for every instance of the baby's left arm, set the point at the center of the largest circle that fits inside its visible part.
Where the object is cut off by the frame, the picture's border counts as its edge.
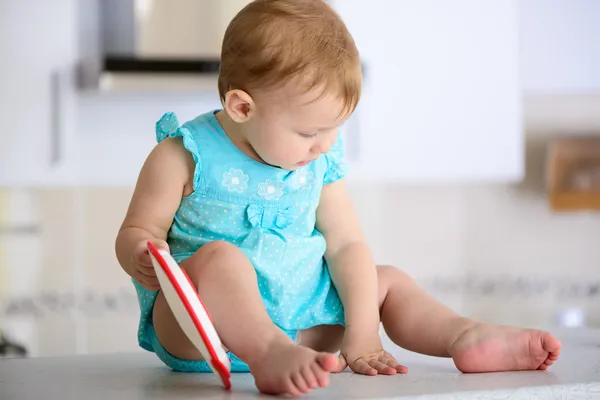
(350, 261)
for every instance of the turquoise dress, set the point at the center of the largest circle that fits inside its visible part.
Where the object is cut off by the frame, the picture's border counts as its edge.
(267, 212)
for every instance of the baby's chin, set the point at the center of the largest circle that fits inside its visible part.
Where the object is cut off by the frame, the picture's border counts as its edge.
(283, 167)
(288, 166)
(296, 166)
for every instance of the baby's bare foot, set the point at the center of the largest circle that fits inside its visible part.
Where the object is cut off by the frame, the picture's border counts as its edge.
(292, 369)
(494, 348)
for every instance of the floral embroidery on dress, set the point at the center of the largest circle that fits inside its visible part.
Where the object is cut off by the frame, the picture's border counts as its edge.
(303, 179)
(235, 180)
(270, 189)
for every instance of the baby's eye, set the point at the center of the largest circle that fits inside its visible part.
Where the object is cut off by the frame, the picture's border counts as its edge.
(308, 135)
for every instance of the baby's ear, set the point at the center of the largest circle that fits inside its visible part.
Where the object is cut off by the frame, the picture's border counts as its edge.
(239, 105)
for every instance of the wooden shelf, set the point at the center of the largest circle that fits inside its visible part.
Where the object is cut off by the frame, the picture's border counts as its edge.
(573, 174)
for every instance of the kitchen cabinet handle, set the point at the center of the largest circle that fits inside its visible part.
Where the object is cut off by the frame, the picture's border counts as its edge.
(55, 118)
(20, 230)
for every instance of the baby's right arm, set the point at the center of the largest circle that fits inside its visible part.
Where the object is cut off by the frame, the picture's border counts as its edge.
(165, 178)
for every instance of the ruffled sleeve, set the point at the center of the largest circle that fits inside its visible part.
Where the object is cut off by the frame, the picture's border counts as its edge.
(336, 165)
(168, 127)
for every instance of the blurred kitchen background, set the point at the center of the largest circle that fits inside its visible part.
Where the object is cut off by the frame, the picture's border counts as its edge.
(474, 158)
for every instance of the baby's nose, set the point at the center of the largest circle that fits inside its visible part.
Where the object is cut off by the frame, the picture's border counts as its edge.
(322, 146)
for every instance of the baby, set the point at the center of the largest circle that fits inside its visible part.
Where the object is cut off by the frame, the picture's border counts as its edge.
(250, 200)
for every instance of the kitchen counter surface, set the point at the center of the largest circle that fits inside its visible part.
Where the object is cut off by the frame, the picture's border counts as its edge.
(140, 375)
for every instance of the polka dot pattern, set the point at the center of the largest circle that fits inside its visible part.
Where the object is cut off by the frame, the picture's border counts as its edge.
(268, 213)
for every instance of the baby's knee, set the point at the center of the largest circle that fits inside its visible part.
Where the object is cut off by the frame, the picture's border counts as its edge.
(389, 274)
(213, 254)
(217, 249)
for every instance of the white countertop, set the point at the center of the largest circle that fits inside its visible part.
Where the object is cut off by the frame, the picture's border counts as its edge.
(140, 375)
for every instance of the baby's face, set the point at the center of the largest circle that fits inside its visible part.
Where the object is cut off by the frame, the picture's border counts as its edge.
(290, 130)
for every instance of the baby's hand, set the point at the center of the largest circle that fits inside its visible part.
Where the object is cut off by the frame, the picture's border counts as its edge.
(379, 362)
(144, 271)
(365, 355)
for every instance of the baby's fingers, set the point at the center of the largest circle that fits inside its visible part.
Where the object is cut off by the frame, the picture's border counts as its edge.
(150, 283)
(141, 254)
(360, 366)
(391, 362)
(147, 271)
(382, 368)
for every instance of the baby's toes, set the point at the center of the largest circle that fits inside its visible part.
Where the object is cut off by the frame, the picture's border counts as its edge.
(321, 376)
(551, 344)
(309, 376)
(327, 361)
(291, 389)
(300, 382)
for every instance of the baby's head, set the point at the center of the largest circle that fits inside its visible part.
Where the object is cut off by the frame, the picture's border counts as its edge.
(290, 76)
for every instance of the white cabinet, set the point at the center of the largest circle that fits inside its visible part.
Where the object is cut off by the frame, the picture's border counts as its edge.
(442, 97)
(560, 49)
(442, 94)
(116, 131)
(38, 43)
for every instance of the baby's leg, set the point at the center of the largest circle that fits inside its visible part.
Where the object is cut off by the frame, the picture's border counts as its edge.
(416, 321)
(327, 338)
(226, 281)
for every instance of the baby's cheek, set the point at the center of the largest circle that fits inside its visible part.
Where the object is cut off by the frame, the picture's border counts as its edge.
(281, 153)
(294, 152)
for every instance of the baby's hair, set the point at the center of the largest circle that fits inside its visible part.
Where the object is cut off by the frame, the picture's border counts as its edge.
(270, 42)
